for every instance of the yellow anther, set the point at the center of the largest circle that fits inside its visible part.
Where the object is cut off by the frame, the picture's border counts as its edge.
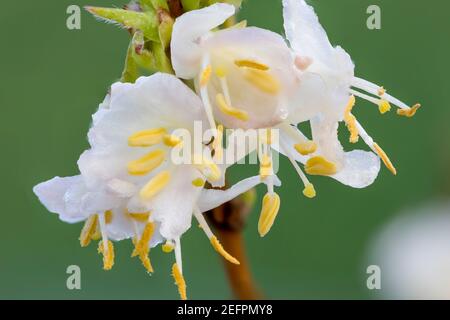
(410, 112)
(305, 148)
(146, 138)
(143, 246)
(88, 230)
(171, 140)
(309, 191)
(139, 217)
(155, 185)
(320, 166)
(208, 167)
(108, 256)
(270, 208)
(179, 281)
(168, 247)
(147, 163)
(108, 216)
(205, 76)
(350, 120)
(265, 168)
(251, 64)
(221, 71)
(381, 91)
(263, 80)
(219, 248)
(199, 182)
(97, 235)
(384, 106)
(229, 110)
(387, 162)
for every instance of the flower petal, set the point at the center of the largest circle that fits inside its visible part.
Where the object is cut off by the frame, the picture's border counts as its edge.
(174, 205)
(187, 31)
(211, 199)
(52, 194)
(160, 100)
(304, 31)
(360, 170)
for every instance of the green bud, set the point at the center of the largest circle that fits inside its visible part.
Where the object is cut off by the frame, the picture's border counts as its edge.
(189, 5)
(130, 72)
(159, 4)
(162, 62)
(165, 28)
(141, 55)
(144, 21)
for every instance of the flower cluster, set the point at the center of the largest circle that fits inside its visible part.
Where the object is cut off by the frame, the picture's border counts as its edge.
(208, 70)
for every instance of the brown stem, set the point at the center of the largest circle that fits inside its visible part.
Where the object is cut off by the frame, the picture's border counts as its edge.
(229, 221)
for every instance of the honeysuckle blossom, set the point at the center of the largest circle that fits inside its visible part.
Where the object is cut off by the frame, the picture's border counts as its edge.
(248, 78)
(130, 187)
(326, 96)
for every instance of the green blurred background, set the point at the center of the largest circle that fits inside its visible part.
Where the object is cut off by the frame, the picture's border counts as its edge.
(53, 80)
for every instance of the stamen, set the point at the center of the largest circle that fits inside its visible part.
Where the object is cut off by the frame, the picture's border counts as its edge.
(251, 64)
(383, 104)
(205, 76)
(320, 166)
(350, 120)
(221, 71)
(265, 169)
(409, 112)
(263, 80)
(377, 149)
(306, 148)
(146, 138)
(155, 185)
(387, 162)
(108, 254)
(147, 163)
(168, 247)
(213, 239)
(179, 281)
(229, 110)
(380, 91)
(219, 248)
(270, 208)
(309, 191)
(108, 216)
(143, 248)
(88, 230)
(199, 182)
(208, 167)
(384, 107)
(171, 140)
(140, 217)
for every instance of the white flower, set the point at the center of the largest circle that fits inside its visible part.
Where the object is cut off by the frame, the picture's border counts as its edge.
(413, 253)
(326, 95)
(142, 192)
(244, 75)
